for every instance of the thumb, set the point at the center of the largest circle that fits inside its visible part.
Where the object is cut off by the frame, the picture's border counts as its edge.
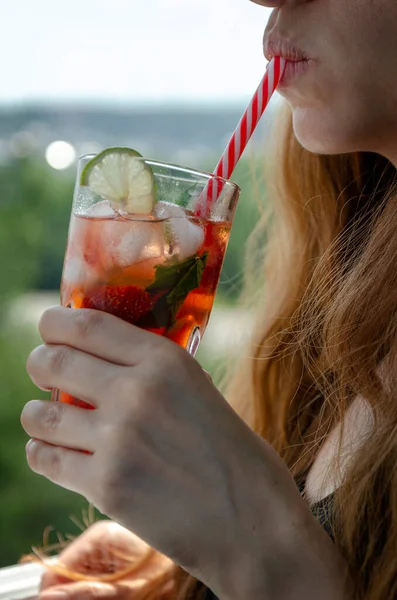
(84, 590)
(209, 376)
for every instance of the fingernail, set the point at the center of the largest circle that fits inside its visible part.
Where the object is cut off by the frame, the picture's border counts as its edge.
(29, 445)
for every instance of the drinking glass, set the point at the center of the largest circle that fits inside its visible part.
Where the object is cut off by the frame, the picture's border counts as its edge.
(160, 271)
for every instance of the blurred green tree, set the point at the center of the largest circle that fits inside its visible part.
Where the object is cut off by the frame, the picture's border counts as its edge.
(35, 205)
(28, 503)
(34, 210)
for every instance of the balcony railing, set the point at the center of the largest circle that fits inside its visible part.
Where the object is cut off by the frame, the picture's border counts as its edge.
(20, 582)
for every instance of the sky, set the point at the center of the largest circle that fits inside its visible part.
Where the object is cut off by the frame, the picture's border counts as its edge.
(130, 51)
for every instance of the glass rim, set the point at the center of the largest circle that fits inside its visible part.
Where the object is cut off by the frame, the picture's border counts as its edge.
(188, 170)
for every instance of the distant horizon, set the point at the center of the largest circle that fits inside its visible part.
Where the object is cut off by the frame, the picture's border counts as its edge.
(149, 105)
(183, 132)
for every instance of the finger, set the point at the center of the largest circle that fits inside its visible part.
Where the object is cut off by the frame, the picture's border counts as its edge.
(209, 376)
(97, 333)
(61, 424)
(105, 546)
(72, 470)
(87, 591)
(51, 578)
(81, 375)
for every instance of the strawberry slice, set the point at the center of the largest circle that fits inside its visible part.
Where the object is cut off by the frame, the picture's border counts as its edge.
(129, 303)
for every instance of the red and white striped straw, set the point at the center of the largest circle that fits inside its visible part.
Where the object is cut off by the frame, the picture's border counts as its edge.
(245, 129)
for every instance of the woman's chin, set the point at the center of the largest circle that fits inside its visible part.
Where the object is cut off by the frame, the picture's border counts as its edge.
(333, 132)
(322, 135)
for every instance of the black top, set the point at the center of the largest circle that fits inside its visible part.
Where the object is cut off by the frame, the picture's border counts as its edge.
(322, 511)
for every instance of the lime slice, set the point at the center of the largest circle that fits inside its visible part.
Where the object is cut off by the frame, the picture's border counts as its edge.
(121, 176)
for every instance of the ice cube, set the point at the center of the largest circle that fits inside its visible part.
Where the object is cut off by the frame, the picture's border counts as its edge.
(84, 200)
(129, 241)
(156, 245)
(76, 271)
(101, 209)
(189, 236)
(130, 247)
(166, 210)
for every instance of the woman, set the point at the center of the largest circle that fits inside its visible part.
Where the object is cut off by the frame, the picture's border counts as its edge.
(317, 386)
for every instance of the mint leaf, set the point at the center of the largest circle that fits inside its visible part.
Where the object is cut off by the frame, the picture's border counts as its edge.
(176, 282)
(168, 276)
(187, 284)
(186, 197)
(158, 317)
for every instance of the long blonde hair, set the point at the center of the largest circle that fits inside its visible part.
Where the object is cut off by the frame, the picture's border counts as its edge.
(326, 252)
(326, 325)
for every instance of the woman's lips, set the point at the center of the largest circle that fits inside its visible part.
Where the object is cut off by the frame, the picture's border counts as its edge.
(293, 70)
(297, 60)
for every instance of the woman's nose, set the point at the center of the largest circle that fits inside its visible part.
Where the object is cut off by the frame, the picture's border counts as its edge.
(269, 3)
(279, 3)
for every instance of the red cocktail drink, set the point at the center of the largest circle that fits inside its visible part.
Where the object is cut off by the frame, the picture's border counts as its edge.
(158, 270)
